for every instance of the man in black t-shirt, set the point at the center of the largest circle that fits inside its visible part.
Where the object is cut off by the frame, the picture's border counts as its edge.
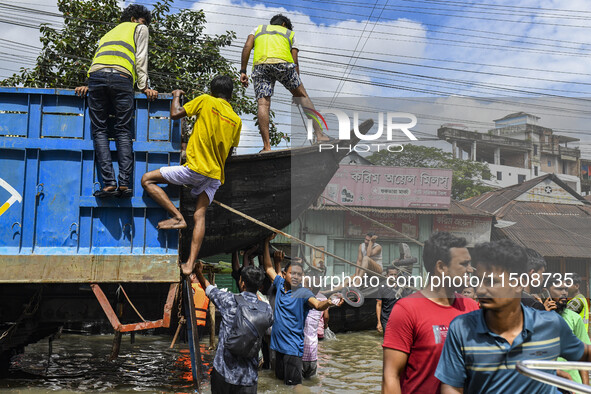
(536, 266)
(388, 294)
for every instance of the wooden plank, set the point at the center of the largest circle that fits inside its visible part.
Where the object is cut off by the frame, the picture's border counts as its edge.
(192, 332)
(89, 269)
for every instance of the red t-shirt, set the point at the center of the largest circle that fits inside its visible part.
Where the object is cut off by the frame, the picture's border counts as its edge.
(418, 326)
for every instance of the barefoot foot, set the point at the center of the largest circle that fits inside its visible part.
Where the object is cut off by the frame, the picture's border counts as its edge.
(172, 223)
(323, 138)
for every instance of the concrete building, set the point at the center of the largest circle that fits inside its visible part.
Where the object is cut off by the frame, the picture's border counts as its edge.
(517, 150)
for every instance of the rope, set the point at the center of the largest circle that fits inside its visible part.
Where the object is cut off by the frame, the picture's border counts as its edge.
(131, 303)
(291, 237)
(291, 258)
(375, 221)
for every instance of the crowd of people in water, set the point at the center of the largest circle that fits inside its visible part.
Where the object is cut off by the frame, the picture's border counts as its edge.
(436, 339)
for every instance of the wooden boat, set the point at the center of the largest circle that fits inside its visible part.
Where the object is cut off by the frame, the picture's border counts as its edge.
(274, 188)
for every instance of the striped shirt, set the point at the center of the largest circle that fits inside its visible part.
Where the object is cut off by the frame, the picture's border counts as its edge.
(481, 361)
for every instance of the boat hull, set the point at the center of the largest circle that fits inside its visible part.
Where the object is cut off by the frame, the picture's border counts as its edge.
(274, 188)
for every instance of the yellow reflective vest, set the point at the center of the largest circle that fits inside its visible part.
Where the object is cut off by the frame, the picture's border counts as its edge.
(117, 48)
(580, 305)
(272, 41)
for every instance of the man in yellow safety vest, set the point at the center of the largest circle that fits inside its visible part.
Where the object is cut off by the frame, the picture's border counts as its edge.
(275, 59)
(578, 302)
(120, 62)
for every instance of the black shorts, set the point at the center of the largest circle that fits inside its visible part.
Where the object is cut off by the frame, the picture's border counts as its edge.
(309, 369)
(288, 368)
(220, 386)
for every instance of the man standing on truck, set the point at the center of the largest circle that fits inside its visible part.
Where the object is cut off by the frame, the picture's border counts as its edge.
(275, 59)
(215, 134)
(120, 61)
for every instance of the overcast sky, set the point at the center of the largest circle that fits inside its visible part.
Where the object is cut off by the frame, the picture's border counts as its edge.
(406, 49)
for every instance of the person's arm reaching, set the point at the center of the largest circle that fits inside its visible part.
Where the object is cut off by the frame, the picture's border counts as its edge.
(235, 261)
(141, 61)
(81, 91)
(176, 109)
(322, 305)
(278, 256)
(199, 273)
(379, 315)
(394, 365)
(246, 258)
(248, 45)
(269, 270)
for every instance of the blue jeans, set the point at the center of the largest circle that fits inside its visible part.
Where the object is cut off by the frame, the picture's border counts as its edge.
(112, 92)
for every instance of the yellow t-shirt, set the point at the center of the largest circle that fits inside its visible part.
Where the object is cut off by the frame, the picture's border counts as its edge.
(216, 131)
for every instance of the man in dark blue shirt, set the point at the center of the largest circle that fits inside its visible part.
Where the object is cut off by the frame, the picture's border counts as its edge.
(231, 374)
(292, 304)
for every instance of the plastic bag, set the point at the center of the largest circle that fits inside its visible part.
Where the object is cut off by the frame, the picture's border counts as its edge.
(329, 335)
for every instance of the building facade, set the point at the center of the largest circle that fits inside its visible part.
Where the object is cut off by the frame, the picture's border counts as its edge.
(517, 150)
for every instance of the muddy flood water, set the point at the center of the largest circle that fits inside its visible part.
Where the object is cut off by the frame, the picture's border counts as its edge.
(352, 363)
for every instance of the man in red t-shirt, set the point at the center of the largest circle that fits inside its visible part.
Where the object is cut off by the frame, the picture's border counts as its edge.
(418, 324)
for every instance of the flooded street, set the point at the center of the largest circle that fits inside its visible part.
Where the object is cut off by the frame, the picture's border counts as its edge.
(350, 364)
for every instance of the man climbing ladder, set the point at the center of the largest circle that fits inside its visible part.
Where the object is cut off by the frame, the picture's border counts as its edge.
(215, 134)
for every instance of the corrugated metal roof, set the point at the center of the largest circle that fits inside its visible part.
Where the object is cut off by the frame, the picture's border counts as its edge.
(554, 230)
(456, 208)
(494, 200)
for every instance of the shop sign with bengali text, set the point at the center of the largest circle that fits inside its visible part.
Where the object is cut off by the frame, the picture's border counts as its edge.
(390, 187)
(405, 223)
(474, 228)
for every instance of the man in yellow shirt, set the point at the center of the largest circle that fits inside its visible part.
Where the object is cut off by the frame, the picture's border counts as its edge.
(215, 134)
(275, 59)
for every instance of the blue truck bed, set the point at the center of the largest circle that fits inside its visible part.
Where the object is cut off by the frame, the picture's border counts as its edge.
(52, 229)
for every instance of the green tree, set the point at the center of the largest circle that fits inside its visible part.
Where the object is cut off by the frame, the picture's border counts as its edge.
(180, 54)
(467, 175)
